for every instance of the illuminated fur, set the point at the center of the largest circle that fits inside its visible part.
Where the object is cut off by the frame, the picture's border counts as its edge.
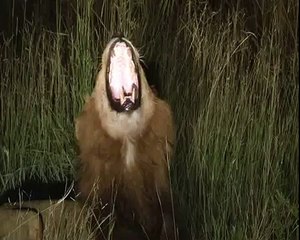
(124, 162)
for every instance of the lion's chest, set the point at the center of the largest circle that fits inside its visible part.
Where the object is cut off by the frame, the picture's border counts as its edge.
(128, 153)
(130, 174)
(133, 165)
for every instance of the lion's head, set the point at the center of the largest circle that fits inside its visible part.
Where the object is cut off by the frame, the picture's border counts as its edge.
(123, 96)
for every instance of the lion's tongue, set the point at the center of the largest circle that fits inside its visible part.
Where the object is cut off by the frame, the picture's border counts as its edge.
(122, 76)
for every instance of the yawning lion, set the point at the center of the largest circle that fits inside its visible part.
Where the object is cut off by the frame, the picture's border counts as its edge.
(125, 136)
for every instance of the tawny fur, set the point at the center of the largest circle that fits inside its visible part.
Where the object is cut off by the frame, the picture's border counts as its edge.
(124, 163)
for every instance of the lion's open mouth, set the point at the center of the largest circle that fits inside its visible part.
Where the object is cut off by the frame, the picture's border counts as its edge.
(122, 77)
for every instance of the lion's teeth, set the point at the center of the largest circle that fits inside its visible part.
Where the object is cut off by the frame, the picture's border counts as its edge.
(113, 53)
(133, 94)
(122, 98)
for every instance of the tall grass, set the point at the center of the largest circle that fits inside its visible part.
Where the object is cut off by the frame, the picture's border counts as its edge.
(234, 94)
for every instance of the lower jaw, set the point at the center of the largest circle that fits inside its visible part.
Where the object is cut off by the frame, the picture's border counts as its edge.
(127, 107)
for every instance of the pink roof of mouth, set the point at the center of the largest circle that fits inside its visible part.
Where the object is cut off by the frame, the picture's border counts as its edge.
(122, 70)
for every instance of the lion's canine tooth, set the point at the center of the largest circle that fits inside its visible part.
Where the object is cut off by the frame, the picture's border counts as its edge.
(133, 94)
(122, 97)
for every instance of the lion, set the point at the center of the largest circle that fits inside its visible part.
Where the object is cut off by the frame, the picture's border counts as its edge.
(125, 135)
(43, 219)
(36, 210)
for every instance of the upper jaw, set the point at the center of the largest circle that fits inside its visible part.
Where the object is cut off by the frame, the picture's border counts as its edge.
(123, 84)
